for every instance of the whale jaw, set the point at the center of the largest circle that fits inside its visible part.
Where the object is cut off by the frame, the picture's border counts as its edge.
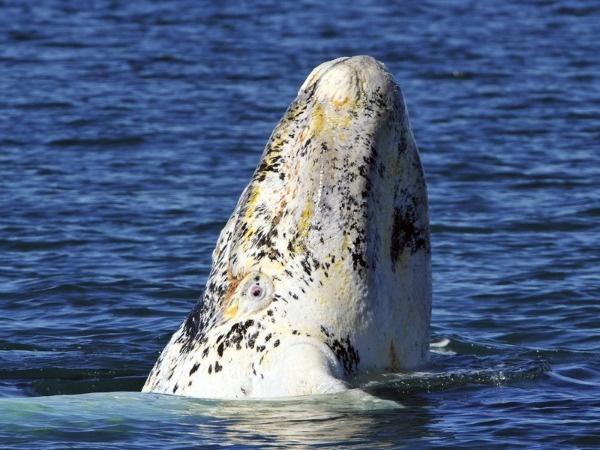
(301, 366)
(323, 270)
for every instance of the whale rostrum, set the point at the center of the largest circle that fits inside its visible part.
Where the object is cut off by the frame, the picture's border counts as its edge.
(324, 268)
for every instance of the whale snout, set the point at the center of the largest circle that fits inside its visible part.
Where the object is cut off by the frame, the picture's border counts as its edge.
(347, 80)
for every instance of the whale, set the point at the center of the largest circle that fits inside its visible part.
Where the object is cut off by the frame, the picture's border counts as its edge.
(323, 270)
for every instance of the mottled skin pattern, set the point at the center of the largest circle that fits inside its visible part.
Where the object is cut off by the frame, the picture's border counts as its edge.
(323, 269)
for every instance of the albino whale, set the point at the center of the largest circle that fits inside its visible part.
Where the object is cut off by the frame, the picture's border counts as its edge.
(323, 270)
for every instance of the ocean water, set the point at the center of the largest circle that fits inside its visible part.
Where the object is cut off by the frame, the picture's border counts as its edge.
(128, 130)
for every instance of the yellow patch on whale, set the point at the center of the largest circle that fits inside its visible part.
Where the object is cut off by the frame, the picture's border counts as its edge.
(306, 218)
(304, 223)
(341, 103)
(251, 204)
(252, 201)
(346, 121)
(231, 310)
(318, 120)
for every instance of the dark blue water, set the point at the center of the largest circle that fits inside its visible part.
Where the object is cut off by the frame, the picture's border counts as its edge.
(128, 130)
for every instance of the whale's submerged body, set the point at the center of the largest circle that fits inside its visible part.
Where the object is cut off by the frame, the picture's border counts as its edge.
(323, 269)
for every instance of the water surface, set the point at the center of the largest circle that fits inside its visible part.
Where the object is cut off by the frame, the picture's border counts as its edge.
(129, 129)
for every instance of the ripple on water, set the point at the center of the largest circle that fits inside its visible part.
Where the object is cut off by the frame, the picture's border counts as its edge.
(128, 131)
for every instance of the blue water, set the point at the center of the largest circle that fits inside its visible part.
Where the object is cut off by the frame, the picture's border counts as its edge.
(128, 130)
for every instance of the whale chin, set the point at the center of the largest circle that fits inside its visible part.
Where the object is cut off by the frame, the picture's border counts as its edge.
(323, 270)
(306, 366)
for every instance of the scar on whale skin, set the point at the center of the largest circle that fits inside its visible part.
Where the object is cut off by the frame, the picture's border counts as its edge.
(323, 270)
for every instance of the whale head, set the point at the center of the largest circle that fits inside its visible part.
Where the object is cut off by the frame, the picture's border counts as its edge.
(323, 269)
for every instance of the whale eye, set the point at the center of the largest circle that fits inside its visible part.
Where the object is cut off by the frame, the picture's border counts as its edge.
(257, 292)
(258, 287)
